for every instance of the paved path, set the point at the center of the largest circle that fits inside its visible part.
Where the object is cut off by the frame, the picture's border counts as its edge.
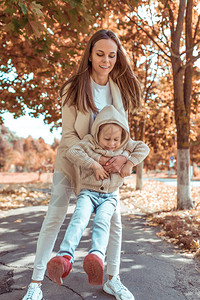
(150, 268)
(173, 181)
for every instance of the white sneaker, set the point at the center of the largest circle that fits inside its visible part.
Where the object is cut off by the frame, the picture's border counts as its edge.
(116, 288)
(34, 292)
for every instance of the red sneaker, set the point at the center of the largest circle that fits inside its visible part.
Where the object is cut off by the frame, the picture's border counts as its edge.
(93, 266)
(59, 267)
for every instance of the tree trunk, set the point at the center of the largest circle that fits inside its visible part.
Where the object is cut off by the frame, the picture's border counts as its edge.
(137, 129)
(184, 200)
(139, 169)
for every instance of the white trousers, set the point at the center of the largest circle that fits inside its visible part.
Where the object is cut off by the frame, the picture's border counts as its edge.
(56, 213)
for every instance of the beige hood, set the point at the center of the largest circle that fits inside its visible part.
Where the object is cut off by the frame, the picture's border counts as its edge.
(109, 114)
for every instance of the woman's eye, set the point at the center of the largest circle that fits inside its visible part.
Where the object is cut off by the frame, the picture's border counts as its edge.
(111, 56)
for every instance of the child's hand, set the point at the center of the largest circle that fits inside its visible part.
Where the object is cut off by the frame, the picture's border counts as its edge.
(99, 171)
(126, 169)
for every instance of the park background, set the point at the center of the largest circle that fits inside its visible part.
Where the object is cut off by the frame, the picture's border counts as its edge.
(41, 45)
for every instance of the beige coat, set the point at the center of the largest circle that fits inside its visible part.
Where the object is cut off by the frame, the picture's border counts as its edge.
(88, 149)
(75, 125)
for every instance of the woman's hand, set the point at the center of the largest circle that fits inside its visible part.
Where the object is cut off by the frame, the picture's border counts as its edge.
(126, 169)
(99, 171)
(114, 164)
(103, 160)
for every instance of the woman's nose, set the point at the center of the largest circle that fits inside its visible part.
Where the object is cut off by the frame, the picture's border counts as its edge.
(106, 58)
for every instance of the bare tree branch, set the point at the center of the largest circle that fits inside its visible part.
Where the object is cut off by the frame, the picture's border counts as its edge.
(154, 52)
(163, 32)
(153, 29)
(145, 31)
(196, 73)
(158, 53)
(196, 94)
(188, 29)
(171, 17)
(149, 35)
(179, 26)
(189, 45)
(151, 84)
(190, 48)
(196, 28)
(149, 3)
(191, 61)
(145, 84)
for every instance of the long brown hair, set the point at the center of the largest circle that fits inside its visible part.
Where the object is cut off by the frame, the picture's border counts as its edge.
(79, 91)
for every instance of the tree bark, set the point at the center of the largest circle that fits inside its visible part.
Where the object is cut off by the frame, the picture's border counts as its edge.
(139, 171)
(137, 129)
(184, 200)
(182, 79)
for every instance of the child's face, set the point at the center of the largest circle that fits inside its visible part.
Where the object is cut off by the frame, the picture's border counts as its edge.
(110, 137)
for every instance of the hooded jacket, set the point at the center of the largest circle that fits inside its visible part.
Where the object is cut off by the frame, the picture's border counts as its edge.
(83, 154)
(75, 125)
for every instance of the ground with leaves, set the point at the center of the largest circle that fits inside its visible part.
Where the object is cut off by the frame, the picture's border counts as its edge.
(17, 195)
(156, 201)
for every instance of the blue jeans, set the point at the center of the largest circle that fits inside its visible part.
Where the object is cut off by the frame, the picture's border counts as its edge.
(104, 205)
(57, 209)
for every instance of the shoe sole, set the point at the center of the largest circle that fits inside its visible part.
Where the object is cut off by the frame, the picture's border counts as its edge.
(108, 290)
(93, 266)
(55, 271)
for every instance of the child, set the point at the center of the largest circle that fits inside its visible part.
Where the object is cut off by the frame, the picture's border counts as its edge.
(97, 191)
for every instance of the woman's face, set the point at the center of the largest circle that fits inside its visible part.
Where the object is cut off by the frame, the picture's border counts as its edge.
(103, 59)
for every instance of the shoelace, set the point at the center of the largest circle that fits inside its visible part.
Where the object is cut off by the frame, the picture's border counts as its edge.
(31, 291)
(120, 286)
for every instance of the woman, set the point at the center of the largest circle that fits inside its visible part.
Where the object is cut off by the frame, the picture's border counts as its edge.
(104, 77)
